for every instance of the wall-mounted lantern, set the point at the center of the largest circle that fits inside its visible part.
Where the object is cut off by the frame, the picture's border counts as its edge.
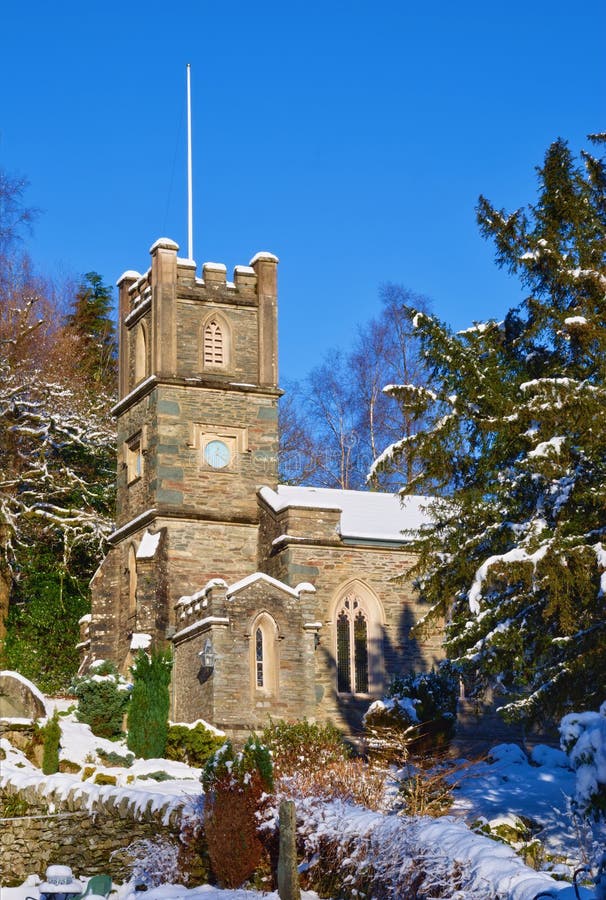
(207, 655)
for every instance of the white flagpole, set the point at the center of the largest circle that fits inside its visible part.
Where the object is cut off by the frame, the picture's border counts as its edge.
(190, 216)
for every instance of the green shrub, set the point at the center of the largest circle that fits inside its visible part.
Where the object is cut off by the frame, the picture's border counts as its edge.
(102, 778)
(103, 697)
(51, 737)
(235, 767)
(67, 767)
(115, 759)
(193, 746)
(304, 745)
(234, 783)
(149, 705)
(157, 776)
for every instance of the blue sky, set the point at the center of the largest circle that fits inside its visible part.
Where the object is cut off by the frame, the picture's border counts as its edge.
(351, 139)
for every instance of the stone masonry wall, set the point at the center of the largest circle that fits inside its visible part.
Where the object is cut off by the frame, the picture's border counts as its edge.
(90, 841)
(229, 692)
(330, 565)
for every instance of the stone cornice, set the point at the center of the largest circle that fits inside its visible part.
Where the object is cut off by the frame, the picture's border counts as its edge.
(206, 382)
(161, 512)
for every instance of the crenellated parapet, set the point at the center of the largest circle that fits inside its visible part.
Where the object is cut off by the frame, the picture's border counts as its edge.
(163, 315)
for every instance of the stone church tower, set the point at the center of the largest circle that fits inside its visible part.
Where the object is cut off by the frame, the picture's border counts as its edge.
(277, 600)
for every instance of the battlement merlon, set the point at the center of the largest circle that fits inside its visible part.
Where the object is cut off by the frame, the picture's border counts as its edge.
(266, 267)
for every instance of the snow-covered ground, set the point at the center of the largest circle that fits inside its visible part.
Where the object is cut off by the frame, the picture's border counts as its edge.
(508, 785)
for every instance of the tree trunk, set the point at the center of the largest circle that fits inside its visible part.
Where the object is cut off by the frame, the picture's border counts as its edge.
(5, 592)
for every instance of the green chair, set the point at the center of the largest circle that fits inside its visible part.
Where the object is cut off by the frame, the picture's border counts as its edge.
(100, 885)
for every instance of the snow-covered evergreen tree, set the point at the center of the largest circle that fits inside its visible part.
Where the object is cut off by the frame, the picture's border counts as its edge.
(515, 452)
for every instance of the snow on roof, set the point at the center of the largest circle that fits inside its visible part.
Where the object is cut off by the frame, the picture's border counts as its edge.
(366, 515)
(148, 546)
(261, 576)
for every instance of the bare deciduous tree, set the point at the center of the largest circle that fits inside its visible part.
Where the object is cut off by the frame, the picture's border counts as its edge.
(335, 424)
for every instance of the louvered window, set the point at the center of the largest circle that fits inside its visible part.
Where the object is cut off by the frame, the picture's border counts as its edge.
(214, 344)
(352, 648)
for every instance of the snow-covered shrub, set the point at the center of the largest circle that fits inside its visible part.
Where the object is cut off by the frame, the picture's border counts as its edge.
(426, 790)
(583, 739)
(298, 746)
(235, 783)
(418, 714)
(352, 853)
(103, 696)
(349, 780)
(154, 861)
(193, 746)
(149, 704)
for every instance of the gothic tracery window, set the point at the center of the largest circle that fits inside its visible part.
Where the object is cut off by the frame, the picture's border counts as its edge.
(356, 627)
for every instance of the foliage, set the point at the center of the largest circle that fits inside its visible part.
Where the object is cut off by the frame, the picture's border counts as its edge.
(42, 628)
(149, 704)
(103, 697)
(57, 461)
(350, 780)
(303, 745)
(334, 424)
(13, 806)
(104, 778)
(52, 738)
(419, 714)
(380, 857)
(91, 323)
(583, 739)
(154, 861)
(112, 758)
(193, 746)
(235, 767)
(434, 693)
(425, 787)
(514, 444)
(235, 782)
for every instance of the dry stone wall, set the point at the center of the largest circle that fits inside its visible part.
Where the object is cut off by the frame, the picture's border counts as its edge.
(92, 838)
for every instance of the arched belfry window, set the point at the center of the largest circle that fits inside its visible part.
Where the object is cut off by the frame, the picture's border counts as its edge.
(216, 343)
(140, 354)
(358, 642)
(264, 655)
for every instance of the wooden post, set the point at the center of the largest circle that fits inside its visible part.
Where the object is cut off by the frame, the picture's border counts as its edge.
(288, 876)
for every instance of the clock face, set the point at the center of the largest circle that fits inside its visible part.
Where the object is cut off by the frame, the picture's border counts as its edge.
(217, 454)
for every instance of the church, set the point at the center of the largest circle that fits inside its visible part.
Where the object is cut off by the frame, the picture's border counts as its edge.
(279, 601)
